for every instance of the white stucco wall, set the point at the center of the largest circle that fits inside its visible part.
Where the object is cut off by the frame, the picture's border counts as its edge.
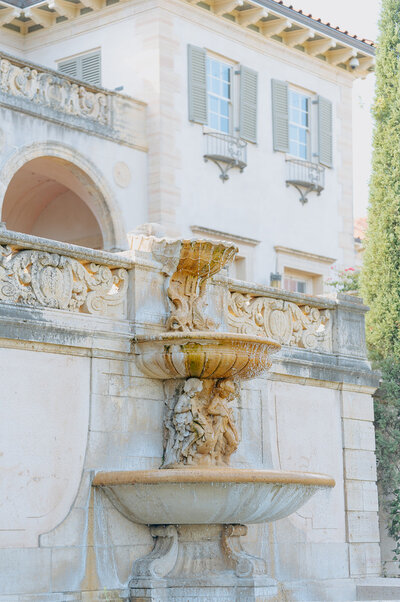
(150, 61)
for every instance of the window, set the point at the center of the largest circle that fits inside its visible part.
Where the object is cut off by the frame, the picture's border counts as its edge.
(299, 124)
(219, 93)
(302, 271)
(86, 67)
(295, 285)
(302, 124)
(212, 101)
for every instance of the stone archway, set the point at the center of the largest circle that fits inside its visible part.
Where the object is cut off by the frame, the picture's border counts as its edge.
(50, 190)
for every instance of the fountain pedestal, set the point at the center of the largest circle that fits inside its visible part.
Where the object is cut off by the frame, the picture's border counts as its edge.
(200, 562)
(196, 505)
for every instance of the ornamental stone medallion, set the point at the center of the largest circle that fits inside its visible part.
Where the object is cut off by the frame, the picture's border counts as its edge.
(122, 174)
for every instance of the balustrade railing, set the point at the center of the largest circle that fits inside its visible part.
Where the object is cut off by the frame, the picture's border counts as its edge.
(44, 273)
(34, 89)
(305, 176)
(225, 151)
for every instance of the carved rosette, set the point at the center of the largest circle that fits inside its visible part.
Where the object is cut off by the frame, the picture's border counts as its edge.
(284, 321)
(45, 279)
(55, 92)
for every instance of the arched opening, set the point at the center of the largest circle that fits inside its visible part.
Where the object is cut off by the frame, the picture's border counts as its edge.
(53, 198)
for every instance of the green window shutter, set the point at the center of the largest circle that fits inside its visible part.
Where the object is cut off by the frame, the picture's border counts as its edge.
(325, 131)
(280, 115)
(69, 68)
(197, 82)
(248, 104)
(91, 68)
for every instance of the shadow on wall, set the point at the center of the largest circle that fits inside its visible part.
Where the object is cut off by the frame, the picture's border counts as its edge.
(52, 198)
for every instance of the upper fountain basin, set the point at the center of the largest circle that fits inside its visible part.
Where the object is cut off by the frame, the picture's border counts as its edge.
(204, 355)
(209, 496)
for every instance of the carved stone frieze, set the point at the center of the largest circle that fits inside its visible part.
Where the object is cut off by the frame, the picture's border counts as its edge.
(53, 91)
(199, 427)
(57, 281)
(284, 321)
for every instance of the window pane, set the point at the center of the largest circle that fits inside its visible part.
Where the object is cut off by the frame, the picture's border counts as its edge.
(219, 93)
(215, 86)
(298, 125)
(225, 125)
(213, 121)
(226, 92)
(225, 73)
(215, 69)
(224, 108)
(213, 104)
(302, 136)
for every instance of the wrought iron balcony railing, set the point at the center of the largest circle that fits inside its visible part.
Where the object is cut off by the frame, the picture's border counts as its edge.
(305, 176)
(225, 151)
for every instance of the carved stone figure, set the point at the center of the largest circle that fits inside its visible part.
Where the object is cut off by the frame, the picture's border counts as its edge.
(226, 435)
(200, 428)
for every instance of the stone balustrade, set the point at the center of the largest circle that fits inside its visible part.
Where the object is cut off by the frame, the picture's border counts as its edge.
(45, 273)
(42, 273)
(51, 95)
(288, 318)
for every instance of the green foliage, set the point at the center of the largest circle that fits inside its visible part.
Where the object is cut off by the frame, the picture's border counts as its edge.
(387, 429)
(345, 280)
(380, 277)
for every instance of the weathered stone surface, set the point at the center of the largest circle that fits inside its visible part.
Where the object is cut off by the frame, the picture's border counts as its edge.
(293, 420)
(52, 95)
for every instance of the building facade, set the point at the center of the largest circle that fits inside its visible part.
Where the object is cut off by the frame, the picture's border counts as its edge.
(251, 91)
(225, 120)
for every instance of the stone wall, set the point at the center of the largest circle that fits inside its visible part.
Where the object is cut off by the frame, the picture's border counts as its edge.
(75, 403)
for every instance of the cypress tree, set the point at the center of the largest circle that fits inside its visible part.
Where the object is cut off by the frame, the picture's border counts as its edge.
(380, 280)
(380, 277)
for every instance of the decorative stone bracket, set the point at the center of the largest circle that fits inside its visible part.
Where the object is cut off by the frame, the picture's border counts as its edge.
(187, 557)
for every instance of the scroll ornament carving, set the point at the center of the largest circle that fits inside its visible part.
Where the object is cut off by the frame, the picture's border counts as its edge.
(200, 428)
(57, 93)
(199, 260)
(283, 321)
(45, 279)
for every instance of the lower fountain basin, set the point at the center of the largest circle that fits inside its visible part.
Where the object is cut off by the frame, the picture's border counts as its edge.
(204, 355)
(209, 496)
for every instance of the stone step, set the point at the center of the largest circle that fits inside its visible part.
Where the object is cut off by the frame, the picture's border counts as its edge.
(378, 589)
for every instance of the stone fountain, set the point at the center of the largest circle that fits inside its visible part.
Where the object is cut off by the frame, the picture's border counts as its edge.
(196, 505)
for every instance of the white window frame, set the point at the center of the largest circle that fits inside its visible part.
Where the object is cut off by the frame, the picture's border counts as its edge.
(308, 129)
(226, 63)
